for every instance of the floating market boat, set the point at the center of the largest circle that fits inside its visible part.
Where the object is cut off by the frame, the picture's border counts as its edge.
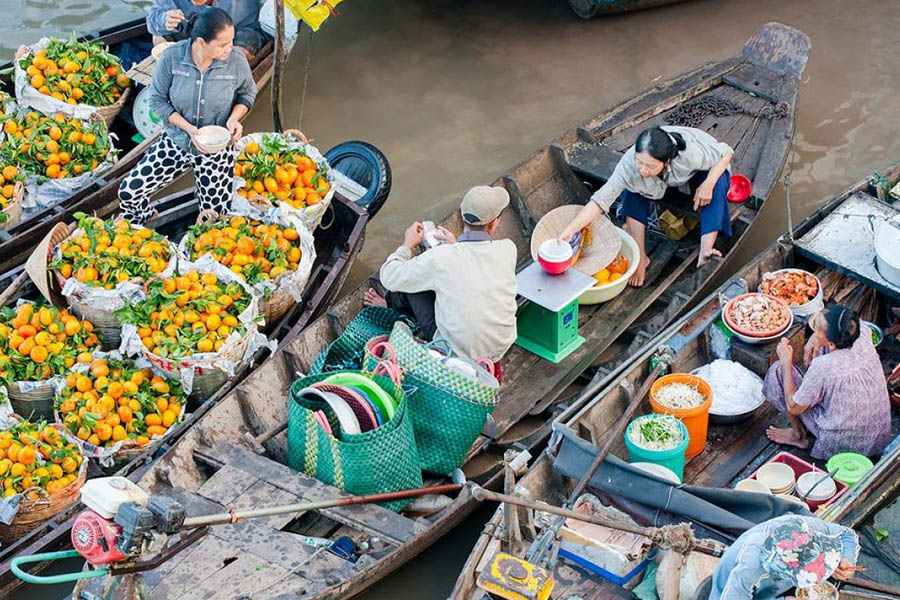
(733, 452)
(761, 81)
(131, 40)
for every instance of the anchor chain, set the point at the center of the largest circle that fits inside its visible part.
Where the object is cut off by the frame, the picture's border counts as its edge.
(692, 112)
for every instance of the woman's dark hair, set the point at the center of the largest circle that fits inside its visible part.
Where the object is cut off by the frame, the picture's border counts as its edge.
(659, 143)
(842, 326)
(209, 22)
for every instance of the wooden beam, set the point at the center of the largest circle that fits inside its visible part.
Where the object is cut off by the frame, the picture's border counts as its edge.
(278, 74)
(577, 191)
(518, 203)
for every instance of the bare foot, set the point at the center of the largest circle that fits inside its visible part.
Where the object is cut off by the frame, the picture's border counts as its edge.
(637, 280)
(705, 255)
(787, 437)
(371, 298)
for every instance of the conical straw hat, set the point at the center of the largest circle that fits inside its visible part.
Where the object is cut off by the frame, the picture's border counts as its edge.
(605, 240)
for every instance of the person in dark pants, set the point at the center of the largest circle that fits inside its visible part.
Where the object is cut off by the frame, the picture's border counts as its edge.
(464, 290)
(173, 20)
(662, 159)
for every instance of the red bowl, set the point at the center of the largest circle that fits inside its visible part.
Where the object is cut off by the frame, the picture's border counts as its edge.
(739, 188)
(554, 268)
(555, 257)
(726, 315)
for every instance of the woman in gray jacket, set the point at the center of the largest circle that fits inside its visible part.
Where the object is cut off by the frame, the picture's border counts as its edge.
(198, 82)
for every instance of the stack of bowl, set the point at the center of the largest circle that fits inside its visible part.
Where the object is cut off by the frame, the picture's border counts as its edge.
(358, 403)
(778, 477)
(815, 493)
(752, 485)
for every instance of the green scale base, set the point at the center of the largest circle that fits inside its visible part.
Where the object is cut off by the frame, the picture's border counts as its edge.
(552, 335)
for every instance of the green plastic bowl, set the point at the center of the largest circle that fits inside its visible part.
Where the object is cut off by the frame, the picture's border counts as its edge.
(852, 467)
(377, 395)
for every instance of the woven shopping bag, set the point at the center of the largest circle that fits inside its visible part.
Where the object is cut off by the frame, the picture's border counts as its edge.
(346, 351)
(384, 459)
(448, 409)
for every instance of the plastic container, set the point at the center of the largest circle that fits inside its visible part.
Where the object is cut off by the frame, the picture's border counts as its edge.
(673, 459)
(800, 467)
(608, 291)
(739, 188)
(105, 494)
(555, 256)
(809, 308)
(852, 467)
(695, 419)
(212, 138)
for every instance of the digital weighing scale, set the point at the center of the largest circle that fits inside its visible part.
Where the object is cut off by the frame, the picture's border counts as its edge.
(548, 324)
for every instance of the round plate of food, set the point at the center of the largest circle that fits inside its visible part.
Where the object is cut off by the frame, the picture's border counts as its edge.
(800, 290)
(757, 317)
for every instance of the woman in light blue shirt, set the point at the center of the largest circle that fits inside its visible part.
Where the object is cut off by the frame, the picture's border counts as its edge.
(786, 552)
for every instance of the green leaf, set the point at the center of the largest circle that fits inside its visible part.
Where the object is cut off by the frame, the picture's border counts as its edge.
(882, 534)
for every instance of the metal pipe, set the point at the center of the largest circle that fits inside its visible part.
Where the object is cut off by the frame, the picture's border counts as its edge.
(278, 72)
(232, 517)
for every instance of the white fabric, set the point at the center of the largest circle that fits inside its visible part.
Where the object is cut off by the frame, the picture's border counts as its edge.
(475, 288)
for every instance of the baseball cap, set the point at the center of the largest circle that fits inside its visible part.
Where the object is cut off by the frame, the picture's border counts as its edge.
(482, 204)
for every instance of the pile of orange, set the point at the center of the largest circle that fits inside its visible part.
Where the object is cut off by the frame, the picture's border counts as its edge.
(254, 250)
(76, 72)
(106, 253)
(35, 455)
(278, 173)
(187, 314)
(55, 147)
(38, 342)
(113, 402)
(612, 272)
(9, 176)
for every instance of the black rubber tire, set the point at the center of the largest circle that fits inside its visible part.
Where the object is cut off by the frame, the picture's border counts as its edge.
(585, 9)
(366, 165)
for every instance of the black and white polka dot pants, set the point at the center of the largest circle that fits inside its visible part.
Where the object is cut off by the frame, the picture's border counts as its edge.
(162, 163)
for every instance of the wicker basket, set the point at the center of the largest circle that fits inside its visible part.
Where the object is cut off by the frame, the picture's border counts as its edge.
(107, 114)
(13, 209)
(32, 404)
(34, 512)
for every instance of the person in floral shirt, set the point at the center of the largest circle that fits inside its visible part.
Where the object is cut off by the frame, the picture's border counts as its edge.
(786, 552)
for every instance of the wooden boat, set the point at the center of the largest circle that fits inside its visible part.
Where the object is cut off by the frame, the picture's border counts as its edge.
(732, 452)
(17, 241)
(335, 254)
(588, 9)
(533, 390)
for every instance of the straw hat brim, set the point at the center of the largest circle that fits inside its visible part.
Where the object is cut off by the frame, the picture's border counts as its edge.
(605, 240)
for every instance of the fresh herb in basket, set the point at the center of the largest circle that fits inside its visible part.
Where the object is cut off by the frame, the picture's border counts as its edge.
(76, 72)
(109, 252)
(656, 432)
(279, 173)
(111, 401)
(254, 250)
(38, 342)
(54, 147)
(35, 455)
(187, 314)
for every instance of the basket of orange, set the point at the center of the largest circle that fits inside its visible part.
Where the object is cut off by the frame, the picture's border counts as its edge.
(78, 79)
(283, 171)
(195, 327)
(102, 266)
(116, 410)
(41, 474)
(58, 155)
(38, 346)
(12, 192)
(274, 256)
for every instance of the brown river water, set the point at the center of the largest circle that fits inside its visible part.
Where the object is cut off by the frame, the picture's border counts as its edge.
(457, 91)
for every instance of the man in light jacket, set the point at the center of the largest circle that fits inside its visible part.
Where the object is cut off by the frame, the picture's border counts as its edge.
(464, 290)
(172, 19)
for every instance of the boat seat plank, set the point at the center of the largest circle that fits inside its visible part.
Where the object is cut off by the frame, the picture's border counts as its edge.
(244, 577)
(528, 377)
(226, 485)
(597, 161)
(262, 494)
(369, 517)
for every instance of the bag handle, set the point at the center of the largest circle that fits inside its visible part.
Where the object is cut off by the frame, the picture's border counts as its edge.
(391, 370)
(441, 345)
(488, 366)
(376, 348)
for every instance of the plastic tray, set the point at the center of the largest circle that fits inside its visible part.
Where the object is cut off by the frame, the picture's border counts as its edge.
(800, 467)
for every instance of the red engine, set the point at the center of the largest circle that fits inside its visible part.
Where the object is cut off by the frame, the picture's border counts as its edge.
(95, 538)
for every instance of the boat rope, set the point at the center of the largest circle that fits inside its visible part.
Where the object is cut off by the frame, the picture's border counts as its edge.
(692, 112)
(309, 49)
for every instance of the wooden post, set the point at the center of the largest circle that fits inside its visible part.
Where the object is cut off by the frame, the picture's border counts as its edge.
(278, 73)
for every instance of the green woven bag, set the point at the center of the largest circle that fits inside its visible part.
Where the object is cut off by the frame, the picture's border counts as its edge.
(448, 409)
(346, 351)
(381, 460)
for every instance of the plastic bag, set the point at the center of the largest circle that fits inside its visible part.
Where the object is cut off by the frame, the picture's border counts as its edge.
(313, 12)
(267, 23)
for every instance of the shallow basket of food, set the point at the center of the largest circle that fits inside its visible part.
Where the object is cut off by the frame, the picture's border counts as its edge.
(756, 318)
(611, 284)
(799, 289)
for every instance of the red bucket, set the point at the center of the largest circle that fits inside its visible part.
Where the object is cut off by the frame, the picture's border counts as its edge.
(739, 189)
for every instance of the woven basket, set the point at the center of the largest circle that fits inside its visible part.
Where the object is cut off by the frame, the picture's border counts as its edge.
(107, 114)
(13, 209)
(34, 512)
(207, 378)
(32, 404)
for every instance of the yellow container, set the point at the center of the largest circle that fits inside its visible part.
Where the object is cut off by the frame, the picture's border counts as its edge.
(515, 579)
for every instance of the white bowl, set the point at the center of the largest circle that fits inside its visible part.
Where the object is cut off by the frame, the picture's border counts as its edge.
(823, 491)
(658, 470)
(158, 49)
(554, 250)
(778, 477)
(213, 138)
(752, 485)
(801, 310)
(608, 291)
(793, 499)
